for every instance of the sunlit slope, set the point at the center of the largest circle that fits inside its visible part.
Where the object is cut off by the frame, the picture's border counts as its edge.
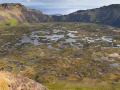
(13, 14)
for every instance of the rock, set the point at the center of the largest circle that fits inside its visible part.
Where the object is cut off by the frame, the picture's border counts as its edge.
(8, 68)
(17, 82)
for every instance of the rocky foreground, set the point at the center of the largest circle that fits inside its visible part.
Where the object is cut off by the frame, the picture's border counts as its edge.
(17, 82)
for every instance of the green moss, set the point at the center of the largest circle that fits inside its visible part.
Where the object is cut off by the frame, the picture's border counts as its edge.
(56, 86)
(9, 22)
(77, 89)
(63, 63)
(36, 19)
(62, 86)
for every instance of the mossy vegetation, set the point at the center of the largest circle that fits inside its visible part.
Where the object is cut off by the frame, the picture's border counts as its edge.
(79, 60)
(11, 21)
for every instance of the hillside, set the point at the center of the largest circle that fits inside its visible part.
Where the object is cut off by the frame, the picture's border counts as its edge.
(109, 15)
(12, 14)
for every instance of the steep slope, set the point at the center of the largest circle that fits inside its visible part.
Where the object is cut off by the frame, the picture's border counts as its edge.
(11, 82)
(14, 13)
(109, 15)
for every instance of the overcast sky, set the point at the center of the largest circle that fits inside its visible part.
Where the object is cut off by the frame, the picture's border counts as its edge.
(62, 6)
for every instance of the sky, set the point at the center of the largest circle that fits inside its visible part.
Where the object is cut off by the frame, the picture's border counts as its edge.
(62, 6)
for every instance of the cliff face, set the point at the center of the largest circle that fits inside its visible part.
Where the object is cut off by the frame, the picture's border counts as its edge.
(109, 15)
(11, 14)
(20, 13)
(11, 82)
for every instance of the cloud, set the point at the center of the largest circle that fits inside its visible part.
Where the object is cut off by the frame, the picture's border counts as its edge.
(67, 6)
(28, 0)
(63, 5)
(65, 2)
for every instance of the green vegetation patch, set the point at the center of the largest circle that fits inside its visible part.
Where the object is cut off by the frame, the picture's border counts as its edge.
(55, 86)
(10, 22)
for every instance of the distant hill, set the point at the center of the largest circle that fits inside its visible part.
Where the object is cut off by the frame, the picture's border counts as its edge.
(12, 14)
(109, 15)
(56, 14)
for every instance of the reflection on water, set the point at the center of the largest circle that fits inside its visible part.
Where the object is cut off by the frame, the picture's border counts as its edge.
(71, 35)
(70, 40)
(26, 39)
(18, 44)
(36, 42)
(52, 37)
(114, 65)
(50, 47)
(56, 35)
(1, 39)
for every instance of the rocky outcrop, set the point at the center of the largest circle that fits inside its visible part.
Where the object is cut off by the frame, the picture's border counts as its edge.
(16, 82)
